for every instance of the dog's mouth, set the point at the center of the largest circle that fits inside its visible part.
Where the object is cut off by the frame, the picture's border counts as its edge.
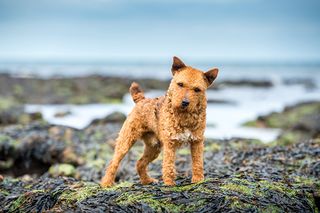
(183, 108)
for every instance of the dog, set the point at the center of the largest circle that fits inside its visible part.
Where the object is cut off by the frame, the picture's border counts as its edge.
(166, 123)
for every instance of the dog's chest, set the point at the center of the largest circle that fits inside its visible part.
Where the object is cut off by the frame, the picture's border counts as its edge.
(184, 137)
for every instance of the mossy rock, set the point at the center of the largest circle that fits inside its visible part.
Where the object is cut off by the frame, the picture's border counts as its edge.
(288, 118)
(115, 117)
(234, 193)
(298, 123)
(11, 112)
(7, 103)
(62, 170)
(77, 90)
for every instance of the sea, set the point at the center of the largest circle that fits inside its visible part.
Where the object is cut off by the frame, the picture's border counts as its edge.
(292, 83)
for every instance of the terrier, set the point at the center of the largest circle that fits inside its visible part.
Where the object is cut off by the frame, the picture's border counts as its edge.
(166, 122)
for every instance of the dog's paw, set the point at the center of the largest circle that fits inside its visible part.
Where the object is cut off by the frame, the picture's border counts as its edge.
(197, 179)
(169, 183)
(105, 183)
(149, 181)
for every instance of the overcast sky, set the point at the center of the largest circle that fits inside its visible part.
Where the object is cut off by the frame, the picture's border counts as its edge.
(261, 30)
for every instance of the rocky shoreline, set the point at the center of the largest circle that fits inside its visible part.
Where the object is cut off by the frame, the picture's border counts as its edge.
(298, 123)
(56, 168)
(91, 89)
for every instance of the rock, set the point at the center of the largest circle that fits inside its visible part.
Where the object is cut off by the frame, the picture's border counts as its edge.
(309, 123)
(291, 116)
(299, 122)
(12, 112)
(217, 101)
(241, 175)
(11, 115)
(69, 155)
(77, 90)
(95, 89)
(306, 82)
(56, 168)
(62, 114)
(115, 117)
(62, 170)
(245, 83)
(32, 149)
(239, 192)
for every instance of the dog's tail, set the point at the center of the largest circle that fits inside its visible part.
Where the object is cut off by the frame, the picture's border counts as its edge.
(136, 92)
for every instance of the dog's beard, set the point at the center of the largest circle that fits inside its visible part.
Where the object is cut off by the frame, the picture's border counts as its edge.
(188, 109)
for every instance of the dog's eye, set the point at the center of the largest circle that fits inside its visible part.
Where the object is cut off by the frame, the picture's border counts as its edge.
(197, 90)
(180, 84)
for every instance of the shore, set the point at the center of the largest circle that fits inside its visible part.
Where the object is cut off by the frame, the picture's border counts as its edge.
(94, 88)
(58, 168)
(76, 101)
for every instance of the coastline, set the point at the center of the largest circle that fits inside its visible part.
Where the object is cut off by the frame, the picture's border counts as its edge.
(55, 167)
(63, 167)
(231, 101)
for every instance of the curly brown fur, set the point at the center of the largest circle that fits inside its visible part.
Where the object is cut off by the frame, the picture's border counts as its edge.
(136, 92)
(166, 122)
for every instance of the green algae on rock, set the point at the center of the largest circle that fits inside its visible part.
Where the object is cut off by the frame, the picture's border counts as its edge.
(251, 177)
(11, 112)
(62, 170)
(289, 117)
(77, 90)
(298, 123)
(241, 175)
(221, 194)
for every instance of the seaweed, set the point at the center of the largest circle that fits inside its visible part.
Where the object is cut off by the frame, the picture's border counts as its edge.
(59, 170)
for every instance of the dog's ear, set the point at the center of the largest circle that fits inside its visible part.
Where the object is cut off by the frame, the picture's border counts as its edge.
(211, 75)
(176, 65)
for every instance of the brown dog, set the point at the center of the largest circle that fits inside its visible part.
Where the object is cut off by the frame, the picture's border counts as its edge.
(168, 121)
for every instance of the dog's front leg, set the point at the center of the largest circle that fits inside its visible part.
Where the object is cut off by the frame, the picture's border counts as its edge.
(197, 160)
(168, 165)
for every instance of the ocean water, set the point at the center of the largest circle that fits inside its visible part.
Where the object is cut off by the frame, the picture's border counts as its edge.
(223, 120)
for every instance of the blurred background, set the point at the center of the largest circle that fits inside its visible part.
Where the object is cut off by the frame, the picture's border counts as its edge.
(73, 61)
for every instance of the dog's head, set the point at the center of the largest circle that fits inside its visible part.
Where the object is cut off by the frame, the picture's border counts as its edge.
(188, 86)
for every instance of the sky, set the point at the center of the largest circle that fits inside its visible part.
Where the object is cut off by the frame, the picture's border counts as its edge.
(227, 30)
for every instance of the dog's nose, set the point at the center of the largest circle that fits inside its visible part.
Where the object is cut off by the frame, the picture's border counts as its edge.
(185, 103)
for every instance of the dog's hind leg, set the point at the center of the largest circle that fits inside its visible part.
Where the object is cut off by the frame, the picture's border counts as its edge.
(151, 152)
(128, 135)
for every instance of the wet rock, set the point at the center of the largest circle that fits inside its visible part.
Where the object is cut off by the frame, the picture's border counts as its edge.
(62, 170)
(241, 175)
(91, 89)
(115, 117)
(299, 122)
(33, 149)
(245, 83)
(62, 114)
(78, 90)
(11, 115)
(218, 101)
(12, 112)
(306, 82)
(225, 193)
